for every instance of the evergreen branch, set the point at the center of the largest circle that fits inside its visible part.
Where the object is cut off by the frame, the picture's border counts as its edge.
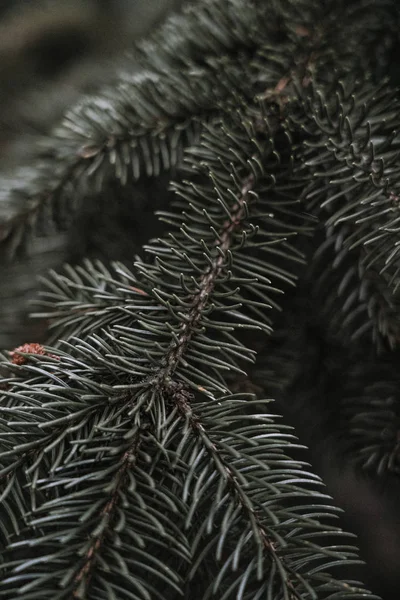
(206, 285)
(77, 478)
(64, 181)
(200, 30)
(123, 392)
(84, 575)
(127, 464)
(140, 125)
(374, 429)
(345, 150)
(263, 558)
(230, 230)
(370, 416)
(355, 300)
(85, 299)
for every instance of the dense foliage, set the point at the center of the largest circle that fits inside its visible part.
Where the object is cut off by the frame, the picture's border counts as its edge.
(141, 455)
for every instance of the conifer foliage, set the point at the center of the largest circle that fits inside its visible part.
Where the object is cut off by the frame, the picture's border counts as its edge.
(134, 462)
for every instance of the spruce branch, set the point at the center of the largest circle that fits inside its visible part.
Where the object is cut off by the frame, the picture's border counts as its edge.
(369, 417)
(350, 151)
(131, 425)
(356, 301)
(143, 123)
(139, 125)
(129, 468)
